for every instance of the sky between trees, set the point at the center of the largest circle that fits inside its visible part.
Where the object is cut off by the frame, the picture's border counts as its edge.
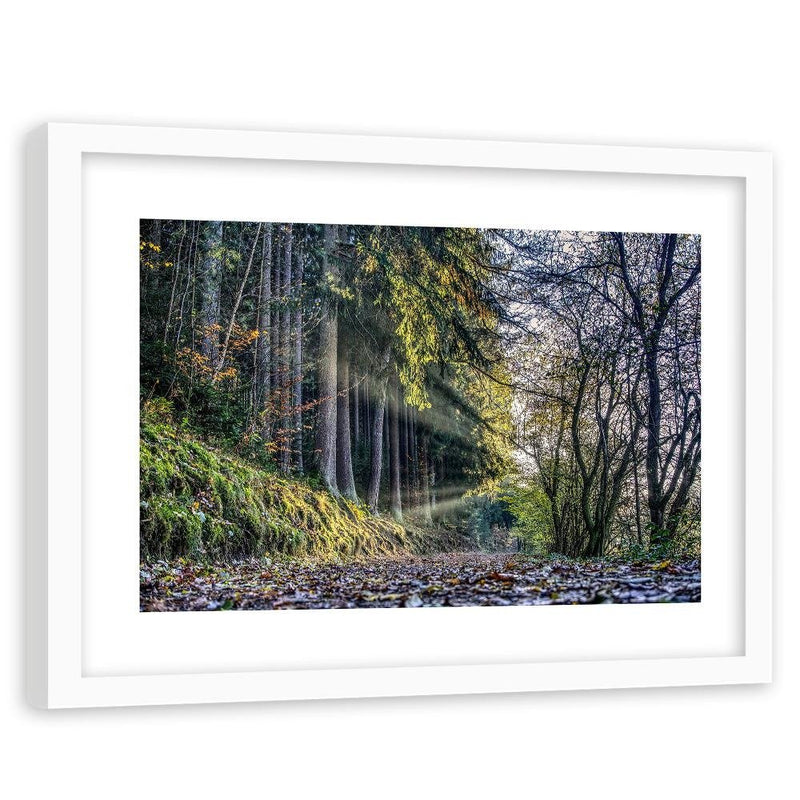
(545, 380)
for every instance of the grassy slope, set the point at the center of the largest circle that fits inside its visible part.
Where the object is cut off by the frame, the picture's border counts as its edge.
(197, 501)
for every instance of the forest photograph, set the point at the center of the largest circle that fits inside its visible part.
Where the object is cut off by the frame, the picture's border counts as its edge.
(368, 416)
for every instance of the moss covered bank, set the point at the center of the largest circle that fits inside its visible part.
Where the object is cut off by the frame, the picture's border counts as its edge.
(200, 502)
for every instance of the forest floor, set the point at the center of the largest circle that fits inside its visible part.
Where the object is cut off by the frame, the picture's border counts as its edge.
(446, 579)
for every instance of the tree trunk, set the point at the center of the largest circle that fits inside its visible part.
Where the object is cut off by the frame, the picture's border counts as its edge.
(236, 303)
(325, 439)
(286, 324)
(433, 479)
(344, 451)
(277, 289)
(405, 472)
(264, 341)
(367, 411)
(376, 434)
(211, 273)
(414, 458)
(356, 414)
(424, 479)
(297, 367)
(176, 276)
(395, 502)
(655, 503)
(376, 446)
(189, 287)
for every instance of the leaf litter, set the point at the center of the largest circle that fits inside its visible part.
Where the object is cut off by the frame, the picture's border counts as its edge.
(445, 579)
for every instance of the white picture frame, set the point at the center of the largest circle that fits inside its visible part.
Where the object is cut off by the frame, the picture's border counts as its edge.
(59, 298)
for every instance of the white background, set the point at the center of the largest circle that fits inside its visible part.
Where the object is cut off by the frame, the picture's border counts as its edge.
(610, 73)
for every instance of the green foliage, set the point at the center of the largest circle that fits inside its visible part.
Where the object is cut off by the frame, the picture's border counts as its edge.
(533, 521)
(488, 520)
(660, 546)
(429, 286)
(201, 501)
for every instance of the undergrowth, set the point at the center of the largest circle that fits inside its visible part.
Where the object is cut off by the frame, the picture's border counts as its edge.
(200, 502)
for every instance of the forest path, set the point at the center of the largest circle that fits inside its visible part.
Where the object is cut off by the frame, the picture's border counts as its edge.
(444, 579)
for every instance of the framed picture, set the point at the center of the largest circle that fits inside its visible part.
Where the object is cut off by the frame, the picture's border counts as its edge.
(319, 416)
